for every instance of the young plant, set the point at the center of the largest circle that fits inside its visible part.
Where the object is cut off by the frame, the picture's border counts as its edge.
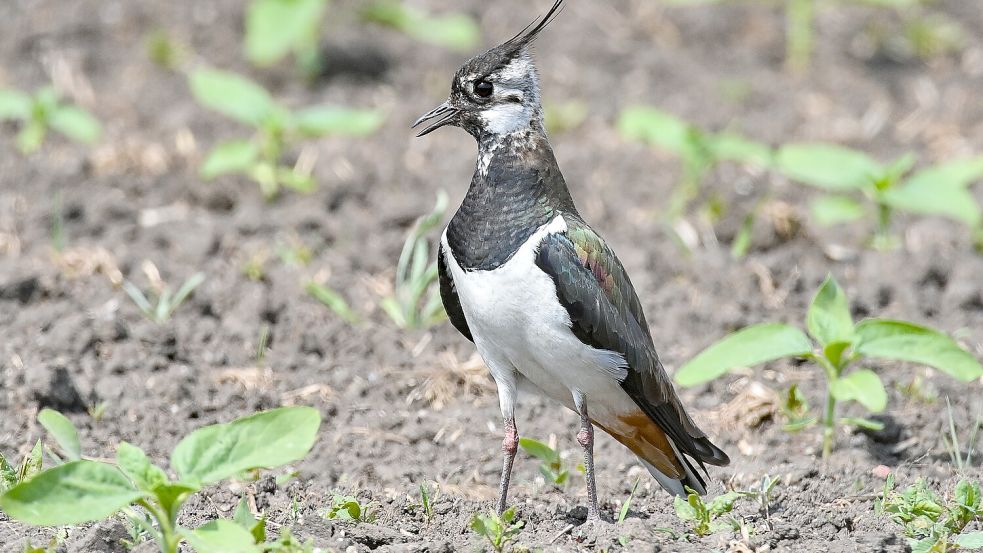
(81, 491)
(426, 499)
(552, 467)
(931, 524)
(30, 466)
(699, 150)
(498, 530)
(849, 177)
(332, 300)
(277, 28)
(702, 516)
(349, 508)
(763, 494)
(416, 301)
(42, 112)
(952, 440)
(796, 410)
(167, 303)
(276, 130)
(627, 504)
(841, 345)
(455, 31)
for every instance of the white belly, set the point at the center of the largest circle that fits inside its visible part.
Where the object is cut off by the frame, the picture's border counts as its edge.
(518, 324)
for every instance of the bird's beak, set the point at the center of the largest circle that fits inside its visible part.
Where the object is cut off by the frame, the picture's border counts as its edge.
(443, 114)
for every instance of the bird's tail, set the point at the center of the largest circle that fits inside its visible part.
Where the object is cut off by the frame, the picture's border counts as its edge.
(690, 478)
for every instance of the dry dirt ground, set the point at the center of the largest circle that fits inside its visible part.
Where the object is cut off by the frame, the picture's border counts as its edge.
(405, 407)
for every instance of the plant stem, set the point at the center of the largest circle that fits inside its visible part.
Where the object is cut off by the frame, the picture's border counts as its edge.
(829, 424)
(799, 15)
(169, 539)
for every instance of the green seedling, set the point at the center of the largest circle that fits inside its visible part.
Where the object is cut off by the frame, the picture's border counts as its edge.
(796, 410)
(166, 302)
(64, 433)
(455, 31)
(849, 177)
(951, 440)
(349, 508)
(552, 467)
(245, 533)
(763, 494)
(930, 523)
(498, 530)
(332, 300)
(842, 344)
(275, 130)
(278, 28)
(82, 491)
(97, 410)
(29, 467)
(702, 516)
(42, 112)
(164, 51)
(627, 504)
(426, 499)
(416, 300)
(699, 150)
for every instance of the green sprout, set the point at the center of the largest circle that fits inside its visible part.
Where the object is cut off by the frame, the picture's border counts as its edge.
(349, 508)
(167, 303)
(951, 440)
(416, 301)
(332, 300)
(551, 467)
(276, 130)
(849, 177)
(456, 31)
(702, 516)
(796, 410)
(426, 500)
(42, 112)
(627, 504)
(699, 150)
(498, 530)
(82, 490)
(29, 467)
(842, 344)
(278, 28)
(928, 522)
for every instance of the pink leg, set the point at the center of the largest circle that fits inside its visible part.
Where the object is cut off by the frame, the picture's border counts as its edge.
(509, 446)
(586, 440)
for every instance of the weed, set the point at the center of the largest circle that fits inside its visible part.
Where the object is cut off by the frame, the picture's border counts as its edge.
(456, 31)
(29, 467)
(67, 494)
(699, 150)
(796, 410)
(498, 530)
(42, 112)
(278, 28)
(930, 523)
(332, 300)
(849, 176)
(262, 345)
(763, 493)
(627, 504)
(97, 410)
(426, 500)
(951, 440)
(275, 130)
(552, 467)
(166, 302)
(841, 344)
(349, 508)
(416, 301)
(703, 516)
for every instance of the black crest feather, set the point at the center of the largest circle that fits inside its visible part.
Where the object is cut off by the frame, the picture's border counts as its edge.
(532, 30)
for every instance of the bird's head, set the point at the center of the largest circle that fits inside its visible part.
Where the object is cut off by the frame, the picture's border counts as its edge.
(497, 92)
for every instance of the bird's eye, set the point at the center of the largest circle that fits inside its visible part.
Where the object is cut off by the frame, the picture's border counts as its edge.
(483, 89)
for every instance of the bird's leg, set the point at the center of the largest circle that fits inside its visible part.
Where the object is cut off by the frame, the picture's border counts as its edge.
(509, 446)
(586, 439)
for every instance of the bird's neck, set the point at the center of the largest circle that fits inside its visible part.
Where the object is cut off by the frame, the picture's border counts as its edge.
(517, 187)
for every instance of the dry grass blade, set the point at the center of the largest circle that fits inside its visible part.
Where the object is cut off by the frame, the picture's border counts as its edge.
(452, 379)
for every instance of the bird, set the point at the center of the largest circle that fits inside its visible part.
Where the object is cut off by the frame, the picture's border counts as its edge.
(544, 299)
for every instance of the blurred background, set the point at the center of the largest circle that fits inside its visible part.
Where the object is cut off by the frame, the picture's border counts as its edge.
(209, 208)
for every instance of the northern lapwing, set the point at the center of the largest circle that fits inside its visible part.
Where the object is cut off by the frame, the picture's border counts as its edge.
(542, 296)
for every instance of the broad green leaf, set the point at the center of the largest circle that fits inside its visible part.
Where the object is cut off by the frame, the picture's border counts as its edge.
(31, 465)
(862, 386)
(829, 317)
(745, 348)
(63, 431)
(275, 27)
(14, 105)
(222, 536)
(73, 493)
(923, 195)
(957, 173)
(327, 120)
(827, 166)
(658, 128)
(684, 510)
(137, 467)
(969, 540)
(834, 210)
(75, 123)
(724, 503)
(455, 31)
(906, 341)
(232, 95)
(235, 156)
(264, 440)
(734, 147)
(538, 449)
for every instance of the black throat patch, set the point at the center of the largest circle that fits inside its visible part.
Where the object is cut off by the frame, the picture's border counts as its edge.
(517, 188)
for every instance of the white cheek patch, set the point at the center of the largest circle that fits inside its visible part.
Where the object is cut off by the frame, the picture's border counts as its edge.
(506, 118)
